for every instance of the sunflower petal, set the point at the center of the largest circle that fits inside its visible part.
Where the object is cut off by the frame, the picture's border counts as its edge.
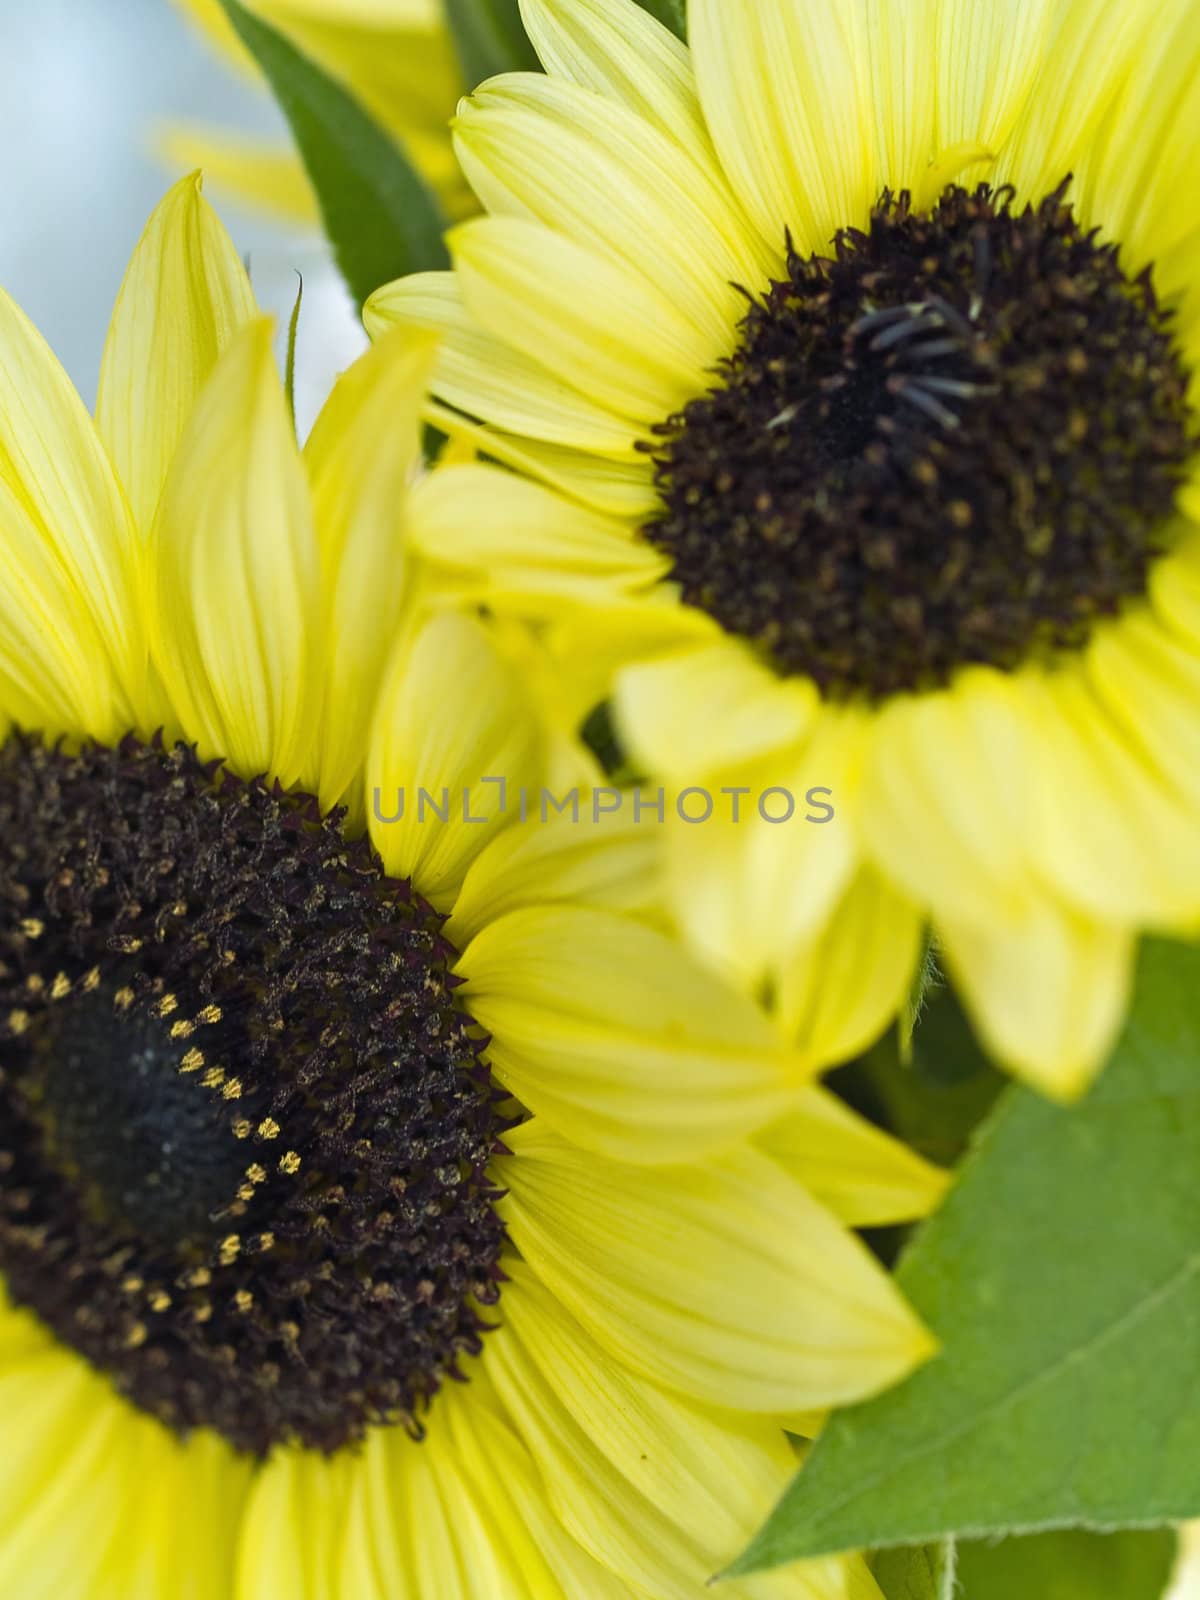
(1047, 996)
(863, 1175)
(184, 296)
(361, 455)
(236, 579)
(658, 1489)
(786, 93)
(608, 1030)
(580, 313)
(55, 469)
(612, 864)
(481, 374)
(456, 720)
(839, 990)
(724, 1280)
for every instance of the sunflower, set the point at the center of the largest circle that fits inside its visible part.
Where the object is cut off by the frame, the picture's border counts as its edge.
(308, 1104)
(877, 325)
(395, 56)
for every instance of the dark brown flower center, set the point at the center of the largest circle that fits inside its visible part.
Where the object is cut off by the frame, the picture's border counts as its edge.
(957, 440)
(244, 1126)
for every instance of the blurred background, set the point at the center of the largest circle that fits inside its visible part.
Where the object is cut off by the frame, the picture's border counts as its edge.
(85, 88)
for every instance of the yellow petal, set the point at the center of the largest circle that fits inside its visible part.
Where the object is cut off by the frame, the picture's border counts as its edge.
(1109, 832)
(985, 61)
(946, 807)
(724, 1279)
(658, 1489)
(57, 473)
(361, 455)
(611, 864)
(839, 990)
(481, 374)
(623, 53)
(184, 296)
(295, 1528)
(608, 1030)
(236, 582)
(691, 714)
(1144, 178)
(613, 487)
(1149, 682)
(1047, 996)
(598, 173)
(55, 674)
(245, 169)
(863, 1175)
(454, 719)
(786, 93)
(1175, 592)
(91, 1489)
(519, 539)
(586, 320)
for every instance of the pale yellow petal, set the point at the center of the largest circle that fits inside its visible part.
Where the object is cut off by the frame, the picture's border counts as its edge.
(786, 91)
(455, 735)
(294, 1529)
(1047, 996)
(611, 863)
(618, 49)
(57, 472)
(658, 1489)
(946, 804)
(1144, 178)
(56, 676)
(184, 296)
(863, 1175)
(1109, 832)
(597, 172)
(613, 487)
(608, 1030)
(517, 538)
(1149, 682)
(691, 714)
(587, 320)
(484, 376)
(361, 456)
(236, 576)
(724, 1279)
(839, 990)
(1089, 48)
(985, 60)
(903, 97)
(245, 169)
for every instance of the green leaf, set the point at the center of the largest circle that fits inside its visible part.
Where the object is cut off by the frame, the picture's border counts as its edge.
(380, 218)
(671, 13)
(924, 1573)
(489, 37)
(1062, 1276)
(1071, 1565)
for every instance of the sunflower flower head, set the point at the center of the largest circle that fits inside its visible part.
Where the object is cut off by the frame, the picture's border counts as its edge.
(872, 333)
(389, 1203)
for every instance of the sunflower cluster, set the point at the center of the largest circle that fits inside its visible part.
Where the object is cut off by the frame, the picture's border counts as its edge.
(749, 599)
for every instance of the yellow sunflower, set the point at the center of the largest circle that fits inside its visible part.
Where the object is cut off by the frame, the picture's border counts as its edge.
(395, 56)
(303, 1111)
(877, 327)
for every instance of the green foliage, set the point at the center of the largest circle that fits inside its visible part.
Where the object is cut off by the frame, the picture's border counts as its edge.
(380, 218)
(1070, 1565)
(926, 1572)
(489, 38)
(672, 13)
(1062, 1276)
